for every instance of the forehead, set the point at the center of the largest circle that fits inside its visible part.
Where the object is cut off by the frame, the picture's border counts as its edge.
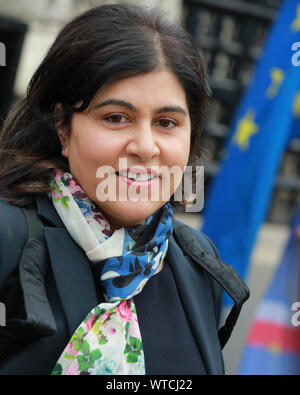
(159, 87)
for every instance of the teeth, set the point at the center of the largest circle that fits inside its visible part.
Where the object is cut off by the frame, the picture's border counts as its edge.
(137, 177)
(123, 174)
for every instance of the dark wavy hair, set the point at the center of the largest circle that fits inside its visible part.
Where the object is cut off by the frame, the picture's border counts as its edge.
(100, 46)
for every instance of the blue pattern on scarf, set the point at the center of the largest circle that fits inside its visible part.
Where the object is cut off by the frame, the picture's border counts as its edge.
(133, 267)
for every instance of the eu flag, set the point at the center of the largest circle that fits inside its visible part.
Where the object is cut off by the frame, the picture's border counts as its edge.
(273, 343)
(266, 120)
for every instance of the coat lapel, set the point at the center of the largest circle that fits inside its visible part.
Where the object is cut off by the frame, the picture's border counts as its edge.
(193, 287)
(71, 268)
(76, 287)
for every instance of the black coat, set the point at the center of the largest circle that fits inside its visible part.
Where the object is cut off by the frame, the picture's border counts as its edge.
(71, 290)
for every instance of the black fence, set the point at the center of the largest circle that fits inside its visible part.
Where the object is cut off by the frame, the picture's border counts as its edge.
(231, 35)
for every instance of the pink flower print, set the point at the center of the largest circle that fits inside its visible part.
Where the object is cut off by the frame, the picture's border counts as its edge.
(57, 175)
(111, 331)
(74, 187)
(90, 322)
(124, 309)
(134, 330)
(73, 369)
(57, 195)
(70, 349)
(104, 316)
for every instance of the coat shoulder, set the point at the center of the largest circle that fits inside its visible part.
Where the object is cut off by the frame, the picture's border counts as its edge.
(215, 288)
(202, 239)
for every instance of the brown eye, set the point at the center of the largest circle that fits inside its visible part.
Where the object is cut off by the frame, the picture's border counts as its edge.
(167, 123)
(116, 118)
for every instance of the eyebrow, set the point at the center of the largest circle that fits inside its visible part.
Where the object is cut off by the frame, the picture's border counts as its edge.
(129, 106)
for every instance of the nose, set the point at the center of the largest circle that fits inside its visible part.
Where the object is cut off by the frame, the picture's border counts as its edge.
(143, 145)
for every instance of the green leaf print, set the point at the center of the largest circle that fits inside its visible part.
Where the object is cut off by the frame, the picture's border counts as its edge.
(57, 190)
(99, 310)
(102, 339)
(85, 348)
(95, 354)
(55, 187)
(77, 344)
(80, 332)
(57, 370)
(64, 201)
(133, 349)
(87, 360)
(127, 349)
(138, 344)
(132, 341)
(135, 343)
(83, 362)
(132, 357)
(77, 335)
(69, 356)
(77, 338)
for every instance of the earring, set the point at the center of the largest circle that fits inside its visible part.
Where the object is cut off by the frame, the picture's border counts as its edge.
(62, 149)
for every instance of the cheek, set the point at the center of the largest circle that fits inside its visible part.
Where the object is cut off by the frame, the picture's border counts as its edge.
(178, 151)
(94, 148)
(83, 152)
(176, 155)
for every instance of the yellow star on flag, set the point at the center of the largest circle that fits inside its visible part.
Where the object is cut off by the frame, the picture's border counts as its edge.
(296, 106)
(246, 128)
(277, 76)
(295, 25)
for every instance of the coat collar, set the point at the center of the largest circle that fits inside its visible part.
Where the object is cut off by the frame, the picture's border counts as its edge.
(47, 211)
(70, 266)
(76, 286)
(193, 287)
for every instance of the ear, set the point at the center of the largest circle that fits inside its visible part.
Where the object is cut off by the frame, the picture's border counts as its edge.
(62, 133)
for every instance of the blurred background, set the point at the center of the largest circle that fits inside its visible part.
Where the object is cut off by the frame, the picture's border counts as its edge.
(232, 35)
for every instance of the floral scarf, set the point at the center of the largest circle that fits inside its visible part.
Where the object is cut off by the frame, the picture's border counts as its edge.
(108, 341)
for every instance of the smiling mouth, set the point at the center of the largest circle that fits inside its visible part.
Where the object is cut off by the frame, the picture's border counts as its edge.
(143, 178)
(138, 175)
(138, 180)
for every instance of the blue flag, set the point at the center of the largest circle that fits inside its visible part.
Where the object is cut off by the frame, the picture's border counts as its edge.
(273, 342)
(266, 120)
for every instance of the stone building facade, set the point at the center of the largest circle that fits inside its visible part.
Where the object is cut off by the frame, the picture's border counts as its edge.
(45, 18)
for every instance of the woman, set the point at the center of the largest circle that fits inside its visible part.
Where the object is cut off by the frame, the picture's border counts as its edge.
(120, 96)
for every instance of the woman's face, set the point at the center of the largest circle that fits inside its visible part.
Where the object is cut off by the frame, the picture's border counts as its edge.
(136, 123)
